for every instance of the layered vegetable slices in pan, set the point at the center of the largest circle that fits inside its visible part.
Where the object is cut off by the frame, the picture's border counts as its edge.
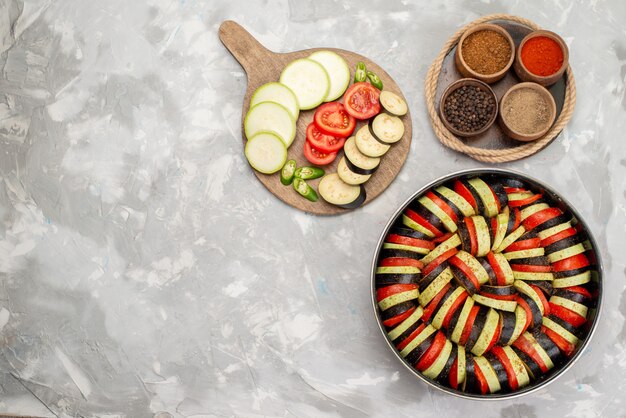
(485, 284)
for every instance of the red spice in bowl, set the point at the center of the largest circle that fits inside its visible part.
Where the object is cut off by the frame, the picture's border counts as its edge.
(542, 56)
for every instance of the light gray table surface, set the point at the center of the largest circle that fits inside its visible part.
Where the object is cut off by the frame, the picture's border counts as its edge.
(144, 269)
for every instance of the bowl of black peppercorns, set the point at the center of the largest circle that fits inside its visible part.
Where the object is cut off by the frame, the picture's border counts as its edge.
(468, 107)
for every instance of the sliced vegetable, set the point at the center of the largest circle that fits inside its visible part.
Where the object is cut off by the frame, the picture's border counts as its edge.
(375, 80)
(361, 100)
(266, 152)
(270, 117)
(336, 192)
(309, 173)
(287, 173)
(348, 176)
(308, 80)
(393, 103)
(304, 189)
(360, 74)
(358, 162)
(332, 119)
(322, 142)
(338, 72)
(387, 128)
(317, 157)
(277, 93)
(368, 145)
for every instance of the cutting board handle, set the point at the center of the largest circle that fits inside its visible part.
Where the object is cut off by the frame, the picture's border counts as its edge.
(244, 47)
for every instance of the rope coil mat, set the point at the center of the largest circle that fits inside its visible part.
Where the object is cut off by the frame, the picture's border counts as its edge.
(492, 155)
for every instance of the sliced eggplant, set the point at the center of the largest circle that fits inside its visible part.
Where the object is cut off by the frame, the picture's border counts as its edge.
(477, 327)
(368, 145)
(507, 319)
(336, 192)
(356, 161)
(402, 331)
(386, 128)
(348, 176)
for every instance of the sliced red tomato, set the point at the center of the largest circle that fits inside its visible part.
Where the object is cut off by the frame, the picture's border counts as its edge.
(413, 242)
(571, 263)
(442, 238)
(385, 292)
(542, 297)
(454, 374)
(500, 277)
(464, 193)
(333, 119)
(530, 268)
(526, 346)
(455, 305)
(323, 142)
(361, 100)
(565, 346)
(437, 261)
(442, 205)
(510, 190)
(467, 330)
(525, 244)
(398, 318)
(467, 270)
(499, 297)
(524, 202)
(558, 236)
(431, 353)
(540, 217)
(411, 337)
(400, 261)
(518, 217)
(567, 315)
(430, 308)
(508, 367)
(471, 229)
(317, 157)
(580, 290)
(423, 222)
(480, 377)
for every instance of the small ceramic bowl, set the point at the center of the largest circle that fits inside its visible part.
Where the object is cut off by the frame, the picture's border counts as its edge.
(525, 75)
(456, 85)
(520, 136)
(465, 69)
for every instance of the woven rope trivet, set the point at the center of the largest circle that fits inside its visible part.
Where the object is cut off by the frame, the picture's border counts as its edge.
(493, 155)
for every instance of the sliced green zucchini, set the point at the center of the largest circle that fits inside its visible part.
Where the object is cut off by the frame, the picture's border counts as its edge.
(266, 152)
(308, 80)
(277, 93)
(338, 72)
(270, 117)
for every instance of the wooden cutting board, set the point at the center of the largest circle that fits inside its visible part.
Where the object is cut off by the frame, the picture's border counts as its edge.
(262, 66)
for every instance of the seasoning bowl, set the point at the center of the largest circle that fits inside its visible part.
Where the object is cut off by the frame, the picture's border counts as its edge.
(506, 124)
(467, 71)
(525, 75)
(456, 85)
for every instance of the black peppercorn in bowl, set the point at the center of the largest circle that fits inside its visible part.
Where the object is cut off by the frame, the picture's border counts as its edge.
(487, 284)
(468, 107)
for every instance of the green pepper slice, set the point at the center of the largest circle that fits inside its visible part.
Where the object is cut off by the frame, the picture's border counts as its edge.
(287, 173)
(304, 189)
(360, 74)
(375, 80)
(309, 173)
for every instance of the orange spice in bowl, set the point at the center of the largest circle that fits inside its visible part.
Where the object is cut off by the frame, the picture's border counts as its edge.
(542, 56)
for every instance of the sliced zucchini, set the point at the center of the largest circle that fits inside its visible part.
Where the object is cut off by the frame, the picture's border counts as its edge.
(435, 286)
(483, 237)
(357, 161)
(336, 192)
(463, 316)
(387, 128)
(368, 145)
(492, 322)
(338, 72)
(277, 93)
(266, 152)
(393, 103)
(308, 80)
(348, 176)
(503, 305)
(270, 117)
